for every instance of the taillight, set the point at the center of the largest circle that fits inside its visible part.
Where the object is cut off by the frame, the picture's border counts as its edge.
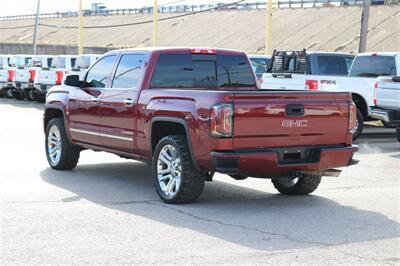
(11, 74)
(375, 93)
(311, 84)
(222, 120)
(59, 76)
(352, 117)
(203, 51)
(32, 74)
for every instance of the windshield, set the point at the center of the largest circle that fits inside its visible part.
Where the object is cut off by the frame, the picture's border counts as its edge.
(373, 66)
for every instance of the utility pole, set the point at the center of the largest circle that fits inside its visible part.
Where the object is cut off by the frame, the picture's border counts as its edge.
(268, 28)
(364, 27)
(35, 31)
(155, 23)
(80, 28)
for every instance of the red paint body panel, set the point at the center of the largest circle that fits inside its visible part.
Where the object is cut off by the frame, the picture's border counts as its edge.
(257, 120)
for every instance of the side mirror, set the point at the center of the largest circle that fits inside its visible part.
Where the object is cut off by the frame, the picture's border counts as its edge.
(72, 80)
(396, 78)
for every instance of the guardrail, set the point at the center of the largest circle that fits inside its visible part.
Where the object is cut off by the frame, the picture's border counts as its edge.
(193, 8)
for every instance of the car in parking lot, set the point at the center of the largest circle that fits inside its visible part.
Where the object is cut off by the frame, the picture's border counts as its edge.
(191, 112)
(47, 77)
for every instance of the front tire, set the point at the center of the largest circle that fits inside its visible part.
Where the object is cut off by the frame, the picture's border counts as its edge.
(175, 177)
(302, 185)
(359, 125)
(60, 153)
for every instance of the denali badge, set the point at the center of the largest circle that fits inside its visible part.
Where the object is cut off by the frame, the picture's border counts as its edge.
(294, 123)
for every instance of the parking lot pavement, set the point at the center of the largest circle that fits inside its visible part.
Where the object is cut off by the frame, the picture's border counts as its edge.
(107, 211)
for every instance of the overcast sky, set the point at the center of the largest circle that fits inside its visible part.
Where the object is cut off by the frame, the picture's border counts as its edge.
(19, 7)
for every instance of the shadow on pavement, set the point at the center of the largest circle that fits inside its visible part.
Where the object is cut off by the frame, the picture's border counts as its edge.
(242, 216)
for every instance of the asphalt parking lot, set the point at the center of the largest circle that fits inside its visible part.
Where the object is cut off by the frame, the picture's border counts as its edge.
(106, 211)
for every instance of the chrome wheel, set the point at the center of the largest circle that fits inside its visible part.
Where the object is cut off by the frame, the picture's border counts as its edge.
(169, 170)
(54, 145)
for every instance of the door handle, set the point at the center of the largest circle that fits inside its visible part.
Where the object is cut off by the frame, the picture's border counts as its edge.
(128, 102)
(95, 99)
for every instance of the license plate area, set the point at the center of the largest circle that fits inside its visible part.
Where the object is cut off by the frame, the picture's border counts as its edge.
(298, 155)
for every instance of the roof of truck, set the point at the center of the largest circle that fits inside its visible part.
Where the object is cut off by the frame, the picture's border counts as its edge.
(379, 53)
(174, 49)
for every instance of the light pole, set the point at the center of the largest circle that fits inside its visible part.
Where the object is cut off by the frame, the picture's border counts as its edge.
(80, 28)
(268, 28)
(35, 31)
(364, 27)
(155, 23)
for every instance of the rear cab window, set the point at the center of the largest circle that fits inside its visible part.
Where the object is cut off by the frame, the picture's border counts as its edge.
(373, 66)
(333, 65)
(198, 71)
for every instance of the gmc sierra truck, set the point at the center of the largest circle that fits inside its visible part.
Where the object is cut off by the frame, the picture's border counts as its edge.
(191, 112)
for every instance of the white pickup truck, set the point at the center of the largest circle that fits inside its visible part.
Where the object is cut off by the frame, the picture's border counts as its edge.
(387, 102)
(48, 77)
(25, 76)
(294, 70)
(5, 76)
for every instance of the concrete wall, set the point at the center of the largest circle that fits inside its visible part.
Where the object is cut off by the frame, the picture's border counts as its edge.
(329, 28)
(23, 48)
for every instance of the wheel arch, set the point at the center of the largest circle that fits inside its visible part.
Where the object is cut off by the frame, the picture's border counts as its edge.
(54, 111)
(163, 126)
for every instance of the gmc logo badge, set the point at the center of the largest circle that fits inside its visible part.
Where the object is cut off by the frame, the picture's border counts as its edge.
(294, 123)
(328, 82)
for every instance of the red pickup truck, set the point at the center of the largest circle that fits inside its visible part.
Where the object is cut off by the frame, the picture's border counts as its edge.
(194, 112)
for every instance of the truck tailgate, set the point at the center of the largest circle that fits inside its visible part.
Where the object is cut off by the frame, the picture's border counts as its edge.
(283, 81)
(47, 77)
(388, 93)
(22, 75)
(290, 119)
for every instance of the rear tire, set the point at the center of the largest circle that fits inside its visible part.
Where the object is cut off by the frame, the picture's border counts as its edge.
(60, 153)
(29, 95)
(359, 125)
(175, 177)
(18, 94)
(8, 92)
(302, 185)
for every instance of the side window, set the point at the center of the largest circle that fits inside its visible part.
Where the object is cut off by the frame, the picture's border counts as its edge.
(97, 76)
(129, 71)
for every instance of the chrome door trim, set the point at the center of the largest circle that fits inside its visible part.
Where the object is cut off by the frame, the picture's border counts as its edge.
(100, 134)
